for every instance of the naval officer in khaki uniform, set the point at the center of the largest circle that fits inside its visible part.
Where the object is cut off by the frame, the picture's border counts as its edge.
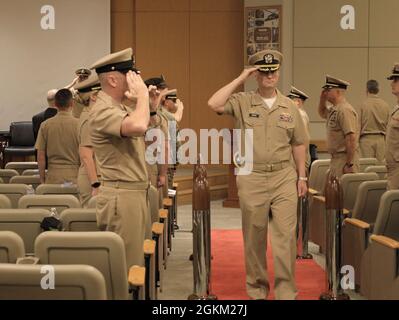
(117, 135)
(269, 194)
(374, 114)
(342, 127)
(392, 139)
(88, 176)
(58, 140)
(299, 98)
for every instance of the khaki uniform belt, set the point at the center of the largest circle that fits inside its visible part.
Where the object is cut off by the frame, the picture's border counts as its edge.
(271, 167)
(61, 166)
(126, 185)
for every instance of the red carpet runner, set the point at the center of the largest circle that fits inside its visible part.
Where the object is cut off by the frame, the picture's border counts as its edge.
(228, 270)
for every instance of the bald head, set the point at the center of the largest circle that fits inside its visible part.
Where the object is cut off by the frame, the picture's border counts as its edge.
(51, 97)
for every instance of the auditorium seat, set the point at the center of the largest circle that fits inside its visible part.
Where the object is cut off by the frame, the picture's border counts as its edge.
(20, 167)
(14, 192)
(79, 220)
(7, 174)
(60, 202)
(11, 247)
(380, 263)
(5, 203)
(380, 170)
(31, 172)
(349, 183)
(72, 282)
(367, 162)
(317, 176)
(22, 141)
(34, 181)
(102, 250)
(45, 189)
(25, 223)
(357, 229)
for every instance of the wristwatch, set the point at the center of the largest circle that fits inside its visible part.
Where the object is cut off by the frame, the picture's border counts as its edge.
(96, 184)
(303, 179)
(153, 113)
(349, 165)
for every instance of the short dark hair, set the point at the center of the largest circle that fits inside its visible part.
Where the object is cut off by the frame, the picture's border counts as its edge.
(373, 87)
(63, 98)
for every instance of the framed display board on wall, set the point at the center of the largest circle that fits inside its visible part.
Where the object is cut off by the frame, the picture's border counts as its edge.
(262, 29)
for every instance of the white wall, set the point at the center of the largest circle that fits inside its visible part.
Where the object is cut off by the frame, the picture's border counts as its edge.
(34, 60)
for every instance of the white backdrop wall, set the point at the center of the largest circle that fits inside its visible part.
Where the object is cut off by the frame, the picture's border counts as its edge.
(34, 60)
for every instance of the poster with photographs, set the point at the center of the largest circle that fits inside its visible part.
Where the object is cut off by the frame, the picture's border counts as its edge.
(263, 29)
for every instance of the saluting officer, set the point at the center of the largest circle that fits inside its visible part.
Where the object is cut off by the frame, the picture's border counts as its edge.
(117, 135)
(342, 127)
(88, 177)
(273, 185)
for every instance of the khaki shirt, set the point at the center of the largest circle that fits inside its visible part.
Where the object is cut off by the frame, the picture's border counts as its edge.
(392, 138)
(374, 115)
(58, 137)
(119, 158)
(173, 134)
(341, 121)
(275, 130)
(84, 135)
(161, 124)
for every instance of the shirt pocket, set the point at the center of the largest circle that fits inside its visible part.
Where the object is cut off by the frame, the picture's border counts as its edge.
(253, 122)
(284, 131)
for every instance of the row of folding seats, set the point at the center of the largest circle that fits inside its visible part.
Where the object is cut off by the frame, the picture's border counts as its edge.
(379, 259)
(16, 191)
(85, 251)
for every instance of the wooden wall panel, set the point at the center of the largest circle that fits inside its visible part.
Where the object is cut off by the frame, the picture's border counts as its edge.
(122, 31)
(215, 60)
(163, 48)
(216, 5)
(122, 5)
(162, 5)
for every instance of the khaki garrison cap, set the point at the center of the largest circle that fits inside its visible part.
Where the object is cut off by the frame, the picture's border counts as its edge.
(332, 83)
(171, 95)
(90, 84)
(121, 61)
(267, 60)
(295, 93)
(395, 72)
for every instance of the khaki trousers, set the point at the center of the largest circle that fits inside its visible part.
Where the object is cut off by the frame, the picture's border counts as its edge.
(373, 146)
(84, 187)
(393, 177)
(338, 161)
(153, 195)
(269, 199)
(60, 174)
(126, 213)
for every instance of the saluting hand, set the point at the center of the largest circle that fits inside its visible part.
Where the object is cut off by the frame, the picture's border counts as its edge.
(247, 73)
(136, 85)
(179, 104)
(154, 94)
